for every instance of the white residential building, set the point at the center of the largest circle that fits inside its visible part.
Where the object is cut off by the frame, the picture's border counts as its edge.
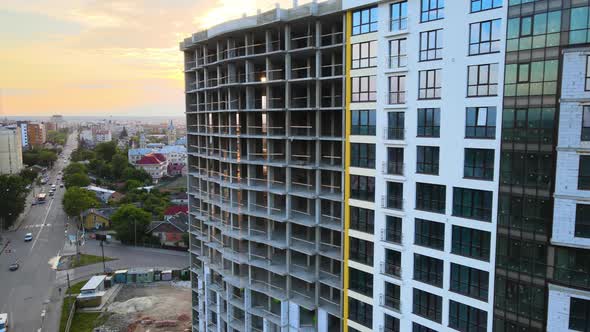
(11, 154)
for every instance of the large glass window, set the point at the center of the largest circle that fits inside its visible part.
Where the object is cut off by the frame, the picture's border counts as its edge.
(360, 312)
(429, 122)
(361, 251)
(393, 263)
(431, 10)
(397, 89)
(479, 164)
(391, 324)
(572, 266)
(584, 173)
(430, 82)
(362, 220)
(466, 318)
(363, 122)
(364, 55)
(586, 123)
(360, 282)
(528, 125)
(427, 305)
(393, 229)
(482, 80)
(398, 53)
(480, 122)
(481, 5)
(392, 296)
(427, 159)
(421, 328)
(469, 281)
(472, 203)
(579, 319)
(430, 197)
(364, 20)
(428, 270)
(399, 16)
(520, 298)
(534, 78)
(431, 44)
(362, 155)
(395, 125)
(429, 234)
(471, 243)
(533, 31)
(484, 37)
(395, 161)
(579, 25)
(395, 195)
(522, 256)
(583, 220)
(364, 88)
(362, 187)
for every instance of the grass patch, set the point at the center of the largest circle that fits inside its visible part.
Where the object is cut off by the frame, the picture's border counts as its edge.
(175, 184)
(85, 259)
(87, 321)
(65, 311)
(75, 288)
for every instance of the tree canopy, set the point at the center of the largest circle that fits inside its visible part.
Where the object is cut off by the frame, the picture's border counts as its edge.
(76, 200)
(76, 180)
(131, 223)
(105, 151)
(43, 157)
(12, 195)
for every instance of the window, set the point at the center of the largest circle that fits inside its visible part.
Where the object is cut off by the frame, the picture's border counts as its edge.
(534, 31)
(398, 53)
(427, 305)
(579, 26)
(362, 187)
(420, 328)
(479, 164)
(360, 282)
(587, 77)
(360, 312)
(430, 84)
(481, 5)
(393, 263)
(391, 324)
(584, 173)
(429, 122)
(586, 123)
(431, 44)
(520, 298)
(361, 251)
(392, 296)
(572, 266)
(579, 314)
(364, 88)
(395, 195)
(482, 80)
(363, 122)
(484, 37)
(428, 270)
(395, 125)
(430, 197)
(471, 243)
(362, 220)
(399, 16)
(393, 229)
(472, 203)
(466, 318)
(469, 281)
(364, 55)
(533, 124)
(395, 161)
(397, 89)
(427, 159)
(533, 78)
(429, 234)
(362, 155)
(582, 220)
(432, 10)
(364, 21)
(480, 122)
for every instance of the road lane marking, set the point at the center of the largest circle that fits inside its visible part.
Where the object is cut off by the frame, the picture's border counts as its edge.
(41, 230)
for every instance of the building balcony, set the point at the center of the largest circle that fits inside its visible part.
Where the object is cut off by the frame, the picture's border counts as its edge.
(275, 290)
(303, 272)
(305, 246)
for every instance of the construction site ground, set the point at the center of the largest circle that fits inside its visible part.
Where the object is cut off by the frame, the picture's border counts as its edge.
(154, 307)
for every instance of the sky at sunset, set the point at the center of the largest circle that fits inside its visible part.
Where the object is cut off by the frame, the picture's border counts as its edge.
(101, 57)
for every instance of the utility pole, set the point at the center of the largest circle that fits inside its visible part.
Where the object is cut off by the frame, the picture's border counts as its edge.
(135, 230)
(104, 267)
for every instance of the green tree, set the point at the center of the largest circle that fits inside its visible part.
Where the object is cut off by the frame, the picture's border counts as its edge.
(138, 174)
(77, 200)
(119, 165)
(131, 224)
(81, 154)
(12, 196)
(75, 168)
(132, 184)
(76, 180)
(28, 175)
(105, 151)
(47, 157)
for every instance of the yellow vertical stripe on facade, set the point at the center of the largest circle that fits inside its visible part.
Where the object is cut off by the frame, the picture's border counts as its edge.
(347, 124)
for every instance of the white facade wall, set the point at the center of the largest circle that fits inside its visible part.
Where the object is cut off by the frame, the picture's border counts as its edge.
(11, 155)
(558, 308)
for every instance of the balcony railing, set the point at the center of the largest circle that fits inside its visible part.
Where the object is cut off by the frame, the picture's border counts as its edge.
(393, 133)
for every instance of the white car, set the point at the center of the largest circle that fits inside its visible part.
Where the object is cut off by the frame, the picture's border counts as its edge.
(28, 237)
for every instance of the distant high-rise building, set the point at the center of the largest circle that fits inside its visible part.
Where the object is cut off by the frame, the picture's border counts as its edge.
(11, 155)
(37, 133)
(142, 141)
(24, 134)
(171, 133)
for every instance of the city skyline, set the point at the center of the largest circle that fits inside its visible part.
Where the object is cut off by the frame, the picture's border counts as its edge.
(101, 58)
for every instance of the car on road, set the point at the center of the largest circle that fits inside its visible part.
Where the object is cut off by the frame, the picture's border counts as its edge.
(14, 266)
(3, 322)
(61, 185)
(28, 237)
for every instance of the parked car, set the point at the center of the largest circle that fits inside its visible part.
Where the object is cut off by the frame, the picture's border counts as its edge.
(28, 237)
(14, 266)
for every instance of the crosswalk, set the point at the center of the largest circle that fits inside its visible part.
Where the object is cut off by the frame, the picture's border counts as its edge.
(35, 226)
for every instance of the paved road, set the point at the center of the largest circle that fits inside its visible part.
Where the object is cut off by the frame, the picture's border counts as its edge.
(29, 290)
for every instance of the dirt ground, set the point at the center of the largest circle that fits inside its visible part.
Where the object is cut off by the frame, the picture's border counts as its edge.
(142, 308)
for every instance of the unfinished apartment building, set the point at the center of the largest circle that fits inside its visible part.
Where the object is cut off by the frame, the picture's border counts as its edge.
(264, 105)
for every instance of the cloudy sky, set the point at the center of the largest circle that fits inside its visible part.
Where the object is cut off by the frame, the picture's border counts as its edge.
(102, 57)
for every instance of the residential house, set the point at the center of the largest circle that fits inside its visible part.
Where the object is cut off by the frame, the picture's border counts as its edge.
(101, 193)
(174, 210)
(170, 231)
(155, 164)
(97, 218)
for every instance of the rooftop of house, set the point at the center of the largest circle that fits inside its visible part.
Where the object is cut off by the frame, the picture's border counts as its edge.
(99, 189)
(176, 209)
(152, 159)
